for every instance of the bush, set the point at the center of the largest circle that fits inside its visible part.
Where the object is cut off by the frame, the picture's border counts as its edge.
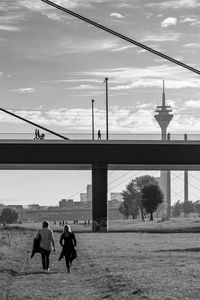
(9, 216)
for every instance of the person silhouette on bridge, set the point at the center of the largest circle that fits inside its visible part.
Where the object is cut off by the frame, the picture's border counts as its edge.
(99, 134)
(36, 134)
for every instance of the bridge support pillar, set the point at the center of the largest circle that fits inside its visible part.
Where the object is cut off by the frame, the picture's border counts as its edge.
(99, 197)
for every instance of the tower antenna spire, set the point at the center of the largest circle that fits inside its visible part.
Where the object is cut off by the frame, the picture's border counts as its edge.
(163, 95)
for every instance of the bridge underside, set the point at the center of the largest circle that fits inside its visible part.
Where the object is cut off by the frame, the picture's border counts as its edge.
(99, 156)
(88, 167)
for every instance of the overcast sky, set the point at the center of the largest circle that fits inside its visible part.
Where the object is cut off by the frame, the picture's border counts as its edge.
(53, 65)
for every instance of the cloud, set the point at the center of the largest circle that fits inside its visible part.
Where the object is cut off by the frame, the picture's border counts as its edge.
(82, 87)
(24, 90)
(121, 119)
(192, 104)
(85, 46)
(139, 118)
(73, 80)
(9, 28)
(175, 4)
(149, 83)
(70, 45)
(169, 22)
(130, 78)
(192, 20)
(122, 48)
(41, 6)
(162, 37)
(188, 19)
(116, 15)
(192, 45)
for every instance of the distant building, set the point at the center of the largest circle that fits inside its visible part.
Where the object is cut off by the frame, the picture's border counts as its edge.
(62, 203)
(66, 203)
(89, 192)
(116, 196)
(83, 197)
(34, 206)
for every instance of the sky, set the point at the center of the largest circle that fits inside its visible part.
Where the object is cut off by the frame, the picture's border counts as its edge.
(53, 65)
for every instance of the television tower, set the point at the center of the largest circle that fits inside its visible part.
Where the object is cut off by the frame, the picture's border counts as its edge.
(163, 116)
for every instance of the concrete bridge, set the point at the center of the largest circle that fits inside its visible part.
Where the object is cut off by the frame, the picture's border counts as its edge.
(99, 157)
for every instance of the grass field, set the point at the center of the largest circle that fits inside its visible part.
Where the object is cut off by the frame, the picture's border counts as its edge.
(124, 265)
(137, 225)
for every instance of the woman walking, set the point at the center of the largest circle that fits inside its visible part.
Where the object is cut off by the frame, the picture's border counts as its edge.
(68, 243)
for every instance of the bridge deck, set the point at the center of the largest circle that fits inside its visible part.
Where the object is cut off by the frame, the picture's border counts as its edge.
(82, 154)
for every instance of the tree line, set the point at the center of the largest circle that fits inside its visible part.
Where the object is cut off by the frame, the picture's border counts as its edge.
(185, 208)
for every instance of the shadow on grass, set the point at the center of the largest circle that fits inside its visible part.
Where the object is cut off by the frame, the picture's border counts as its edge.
(15, 273)
(197, 249)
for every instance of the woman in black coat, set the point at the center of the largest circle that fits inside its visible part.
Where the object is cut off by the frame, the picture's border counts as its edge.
(68, 243)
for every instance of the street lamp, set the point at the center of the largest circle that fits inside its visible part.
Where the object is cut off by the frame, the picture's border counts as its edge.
(92, 119)
(106, 81)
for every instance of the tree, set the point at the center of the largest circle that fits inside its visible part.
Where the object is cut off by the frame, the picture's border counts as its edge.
(9, 215)
(197, 207)
(152, 196)
(188, 207)
(129, 206)
(140, 182)
(132, 196)
(125, 210)
(177, 209)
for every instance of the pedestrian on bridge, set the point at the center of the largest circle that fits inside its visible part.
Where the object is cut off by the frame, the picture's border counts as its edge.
(99, 134)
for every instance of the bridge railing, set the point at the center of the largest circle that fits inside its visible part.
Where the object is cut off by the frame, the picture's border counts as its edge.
(112, 136)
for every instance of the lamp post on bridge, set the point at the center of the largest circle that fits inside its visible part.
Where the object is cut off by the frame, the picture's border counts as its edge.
(106, 81)
(92, 119)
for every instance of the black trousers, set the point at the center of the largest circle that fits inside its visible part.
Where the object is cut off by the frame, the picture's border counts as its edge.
(45, 258)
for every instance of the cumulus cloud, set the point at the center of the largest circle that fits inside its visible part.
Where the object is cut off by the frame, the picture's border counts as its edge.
(188, 19)
(192, 104)
(116, 15)
(192, 20)
(169, 22)
(139, 118)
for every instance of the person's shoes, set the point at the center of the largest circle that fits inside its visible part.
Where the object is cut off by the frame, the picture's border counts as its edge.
(48, 270)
